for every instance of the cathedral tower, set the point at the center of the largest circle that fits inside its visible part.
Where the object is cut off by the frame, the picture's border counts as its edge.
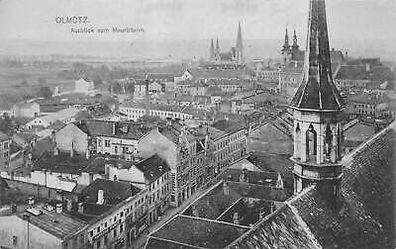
(285, 51)
(212, 51)
(295, 41)
(317, 108)
(239, 45)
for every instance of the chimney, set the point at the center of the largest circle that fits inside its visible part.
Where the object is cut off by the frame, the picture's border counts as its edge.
(71, 149)
(69, 205)
(81, 207)
(100, 197)
(87, 154)
(90, 177)
(226, 188)
(114, 128)
(244, 176)
(31, 200)
(56, 151)
(368, 67)
(59, 208)
(235, 218)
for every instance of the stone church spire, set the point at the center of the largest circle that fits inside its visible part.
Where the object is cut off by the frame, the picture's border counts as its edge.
(317, 90)
(212, 51)
(295, 41)
(317, 108)
(286, 45)
(239, 44)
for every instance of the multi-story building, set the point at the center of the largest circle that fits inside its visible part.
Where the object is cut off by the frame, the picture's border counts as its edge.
(364, 74)
(91, 137)
(152, 174)
(136, 111)
(4, 148)
(175, 144)
(28, 110)
(40, 227)
(369, 105)
(118, 213)
(84, 86)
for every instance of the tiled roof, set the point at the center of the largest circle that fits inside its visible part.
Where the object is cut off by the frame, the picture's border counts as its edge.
(153, 167)
(205, 233)
(3, 136)
(105, 128)
(62, 163)
(317, 91)
(229, 126)
(59, 225)
(219, 73)
(161, 76)
(113, 191)
(361, 217)
(377, 73)
(281, 229)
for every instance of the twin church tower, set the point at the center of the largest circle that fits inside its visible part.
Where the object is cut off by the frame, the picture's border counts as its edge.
(316, 105)
(234, 55)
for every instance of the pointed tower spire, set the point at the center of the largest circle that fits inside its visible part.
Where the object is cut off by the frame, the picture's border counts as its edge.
(317, 90)
(212, 51)
(239, 44)
(317, 108)
(295, 41)
(286, 45)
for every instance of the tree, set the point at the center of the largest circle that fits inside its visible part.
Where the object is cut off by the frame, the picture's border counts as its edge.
(44, 92)
(41, 80)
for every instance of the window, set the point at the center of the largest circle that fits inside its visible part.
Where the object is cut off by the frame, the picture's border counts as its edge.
(121, 228)
(115, 233)
(91, 233)
(107, 143)
(98, 229)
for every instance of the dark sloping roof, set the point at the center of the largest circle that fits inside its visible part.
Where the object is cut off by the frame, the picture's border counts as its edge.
(282, 229)
(113, 129)
(113, 191)
(3, 136)
(345, 225)
(317, 90)
(153, 167)
(377, 73)
(205, 233)
(361, 217)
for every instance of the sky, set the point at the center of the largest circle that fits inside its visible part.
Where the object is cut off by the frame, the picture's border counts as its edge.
(349, 20)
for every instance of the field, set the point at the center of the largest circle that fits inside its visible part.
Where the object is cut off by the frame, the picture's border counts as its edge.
(23, 81)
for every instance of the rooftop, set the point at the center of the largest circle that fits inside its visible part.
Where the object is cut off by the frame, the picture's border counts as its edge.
(153, 167)
(206, 233)
(113, 191)
(60, 225)
(113, 129)
(3, 136)
(317, 91)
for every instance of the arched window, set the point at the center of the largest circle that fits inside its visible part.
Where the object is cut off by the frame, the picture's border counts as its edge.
(297, 142)
(328, 141)
(311, 137)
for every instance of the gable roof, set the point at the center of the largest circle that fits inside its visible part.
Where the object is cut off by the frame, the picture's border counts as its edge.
(114, 192)
(153, 167)
(113, 129)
